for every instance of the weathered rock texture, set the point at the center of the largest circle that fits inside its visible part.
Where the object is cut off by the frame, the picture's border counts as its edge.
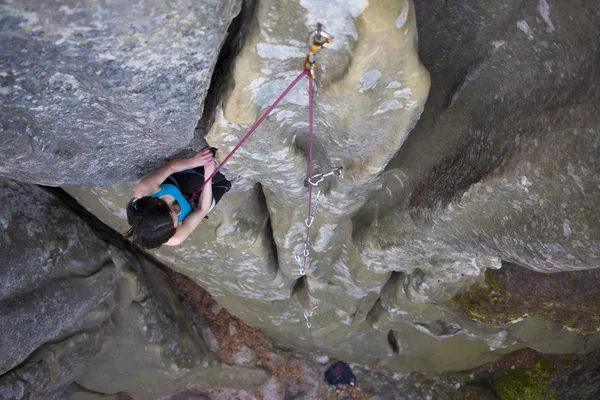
(502, 165)
(73, 308)
(108, 90)
(57, 277)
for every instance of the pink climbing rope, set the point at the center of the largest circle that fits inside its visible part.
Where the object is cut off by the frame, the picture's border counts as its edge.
(319, 39)
(310, 186)
(309, 73)
(196, 193)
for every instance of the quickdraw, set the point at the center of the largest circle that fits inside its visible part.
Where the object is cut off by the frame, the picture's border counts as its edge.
(308, 314)
(318, 40)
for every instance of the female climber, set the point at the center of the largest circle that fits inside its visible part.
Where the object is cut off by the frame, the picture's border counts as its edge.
(163, 211)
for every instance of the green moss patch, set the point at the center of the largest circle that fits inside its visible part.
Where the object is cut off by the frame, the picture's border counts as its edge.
(511, 293)
(528, 384)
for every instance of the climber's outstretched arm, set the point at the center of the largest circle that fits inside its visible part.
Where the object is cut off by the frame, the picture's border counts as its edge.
(150, 184)
(188, 225)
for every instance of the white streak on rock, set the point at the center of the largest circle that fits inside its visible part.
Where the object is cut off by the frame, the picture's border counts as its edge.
(387, 106)
(278, 51)
(524, 26)
(567, 230)
(401, 20)
(369, 80)
(265, 91)
(403, 94)
(67, 10)
(544, 10)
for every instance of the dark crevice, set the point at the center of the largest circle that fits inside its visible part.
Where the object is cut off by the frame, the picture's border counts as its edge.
(395, 279)
(355, 313)
(373, 314)
(457, 83)
(298, 289)
(262, 199)
(449, 179)
(300, 292)
(221, 83)
(75, 388)
(393, 342)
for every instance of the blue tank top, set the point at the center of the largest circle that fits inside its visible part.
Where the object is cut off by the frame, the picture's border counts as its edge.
(172, 190)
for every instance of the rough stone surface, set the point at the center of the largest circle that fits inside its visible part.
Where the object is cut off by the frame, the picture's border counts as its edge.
(51, 369)
(299, 375)
(56, 275)
(502, 165)
(514, 169)
(108, 90)
(245, 356)
(152, 343)
(232, 329)
(90, 312)
(155, 350)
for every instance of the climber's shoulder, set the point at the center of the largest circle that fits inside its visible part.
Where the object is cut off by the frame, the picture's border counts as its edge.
(145, 189)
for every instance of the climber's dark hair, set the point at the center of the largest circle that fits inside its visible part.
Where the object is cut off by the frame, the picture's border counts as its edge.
(151, 222)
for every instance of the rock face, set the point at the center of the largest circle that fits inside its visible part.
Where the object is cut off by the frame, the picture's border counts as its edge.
(514, 166)
(109, 90)
(501, 165)
(57, 276)
(73, 308)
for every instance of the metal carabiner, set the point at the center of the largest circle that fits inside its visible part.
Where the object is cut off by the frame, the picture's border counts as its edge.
(309, 221)
(320, 176)
(317, 40)
(335, 171)
(300, 271)
(319, 37)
